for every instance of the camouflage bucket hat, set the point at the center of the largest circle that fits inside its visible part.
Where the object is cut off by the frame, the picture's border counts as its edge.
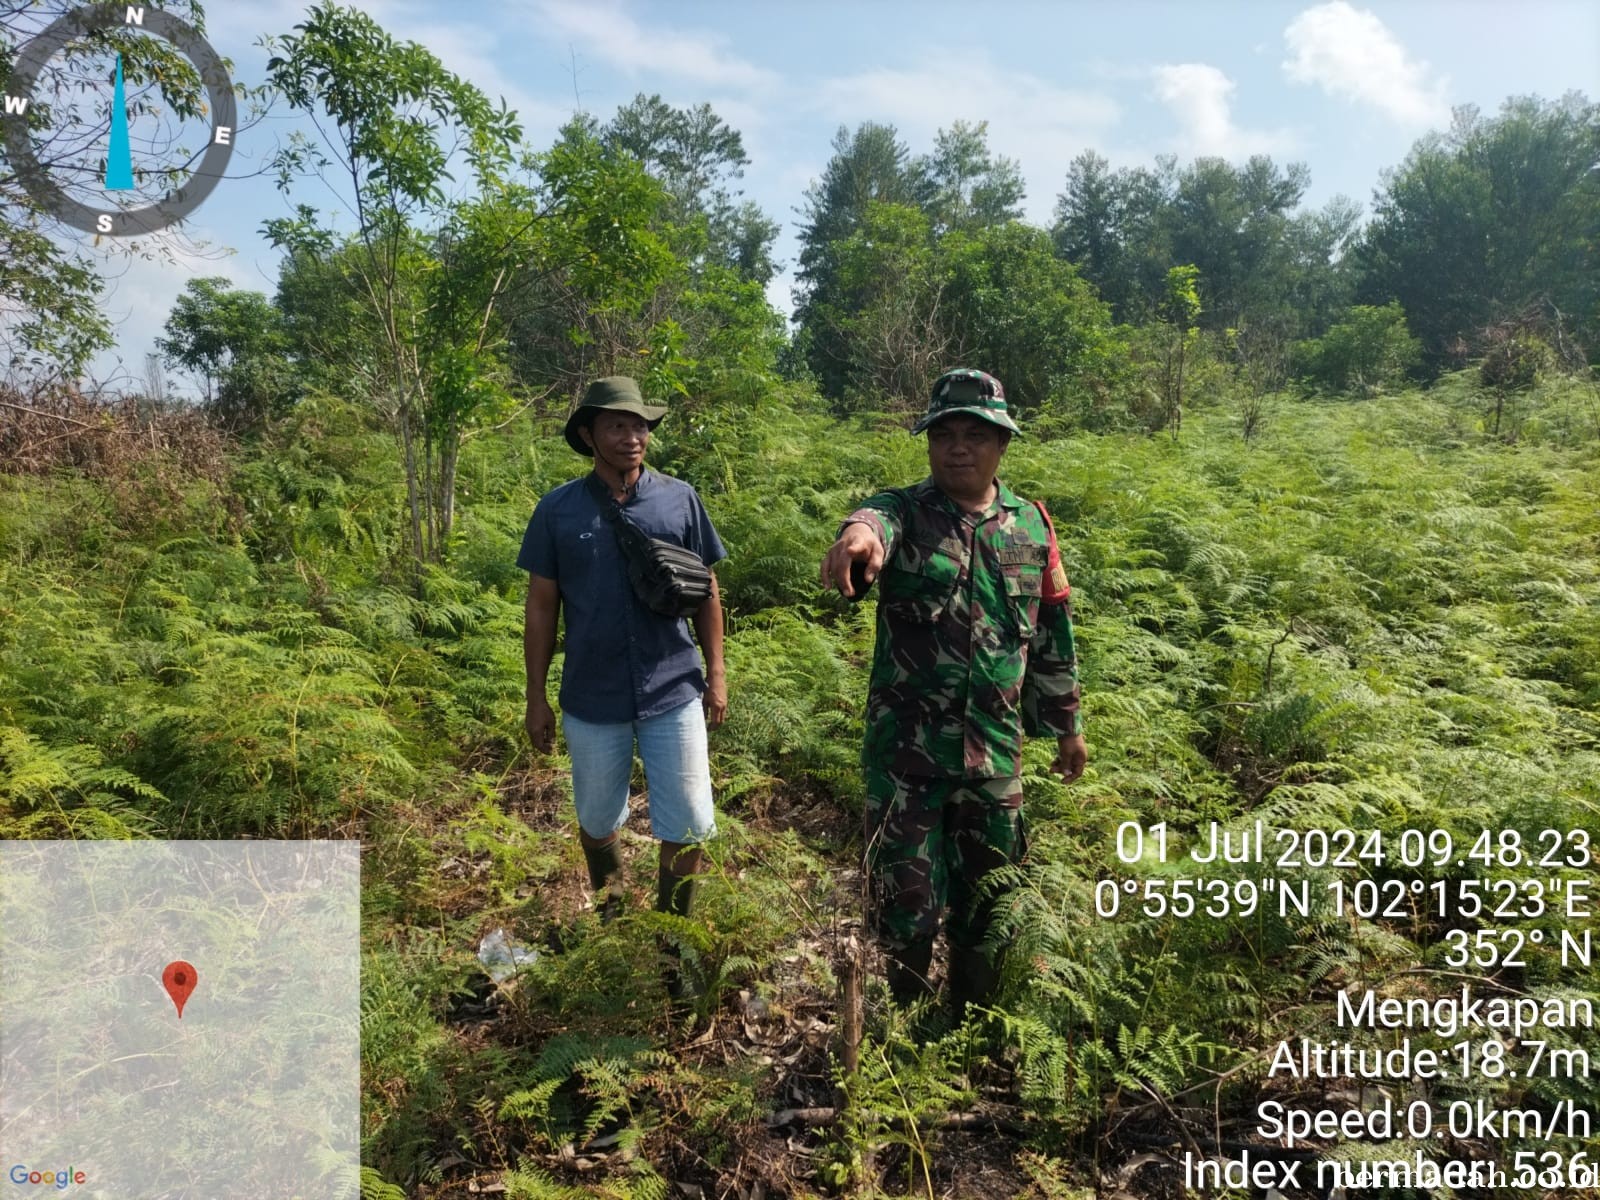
(971, 392)
(618, 392)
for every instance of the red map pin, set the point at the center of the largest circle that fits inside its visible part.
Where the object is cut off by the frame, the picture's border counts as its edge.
(179, 979)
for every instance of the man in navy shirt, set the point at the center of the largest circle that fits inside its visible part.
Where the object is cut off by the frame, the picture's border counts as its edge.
(630, 675)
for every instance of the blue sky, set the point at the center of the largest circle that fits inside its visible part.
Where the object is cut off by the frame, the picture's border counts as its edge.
(1344, 87)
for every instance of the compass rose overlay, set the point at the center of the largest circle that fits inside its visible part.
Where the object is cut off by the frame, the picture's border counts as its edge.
(111, 221)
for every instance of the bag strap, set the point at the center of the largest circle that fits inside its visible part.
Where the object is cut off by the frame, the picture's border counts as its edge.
(631, 540)
(1056, 588)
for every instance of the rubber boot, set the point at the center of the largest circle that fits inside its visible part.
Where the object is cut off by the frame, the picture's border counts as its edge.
(676, 894)
(908, 972)
(973, 979)
(605, 876)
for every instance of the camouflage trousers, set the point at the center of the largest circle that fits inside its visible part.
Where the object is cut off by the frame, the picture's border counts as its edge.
(930, 842)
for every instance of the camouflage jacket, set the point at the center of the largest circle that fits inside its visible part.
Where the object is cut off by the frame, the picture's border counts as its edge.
(967, 656)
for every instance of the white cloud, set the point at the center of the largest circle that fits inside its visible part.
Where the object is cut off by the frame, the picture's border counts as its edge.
(1200, 97)
(611, 34)
(920, 105)
(1041, 125)
(1350, 53)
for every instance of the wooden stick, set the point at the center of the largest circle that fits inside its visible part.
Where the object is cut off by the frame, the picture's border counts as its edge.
(34, 412)
(850, 1010)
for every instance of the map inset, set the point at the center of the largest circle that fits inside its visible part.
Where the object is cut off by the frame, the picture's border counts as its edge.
(106, 1091)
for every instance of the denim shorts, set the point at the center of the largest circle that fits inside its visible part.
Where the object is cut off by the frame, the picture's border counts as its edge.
(677, 773)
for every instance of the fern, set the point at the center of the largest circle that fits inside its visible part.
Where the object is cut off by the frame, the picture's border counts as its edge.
(602, 1073)
(1366, 619)
(67, 791)
(374, 1187)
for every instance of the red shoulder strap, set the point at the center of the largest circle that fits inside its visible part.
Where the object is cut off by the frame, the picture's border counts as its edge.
(1056, 588)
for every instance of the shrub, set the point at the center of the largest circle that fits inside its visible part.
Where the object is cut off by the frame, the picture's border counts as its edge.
(1368, 352)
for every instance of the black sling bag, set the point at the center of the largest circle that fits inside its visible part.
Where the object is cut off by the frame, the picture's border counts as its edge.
(667, 579)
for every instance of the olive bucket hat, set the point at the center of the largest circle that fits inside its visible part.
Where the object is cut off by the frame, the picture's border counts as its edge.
(619, 392)
(974, 393)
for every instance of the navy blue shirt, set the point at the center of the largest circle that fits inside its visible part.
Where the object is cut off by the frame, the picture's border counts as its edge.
(623, 661)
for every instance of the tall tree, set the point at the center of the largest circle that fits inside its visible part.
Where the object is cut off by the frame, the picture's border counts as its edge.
(1494, 220)
(692, 151)
(961, 185)
(1116, 228)
(870, 166)
(1321, 276)
(1088, 227)
(1232, 224)
(698, 157)
(433, 271)
(1263, 263)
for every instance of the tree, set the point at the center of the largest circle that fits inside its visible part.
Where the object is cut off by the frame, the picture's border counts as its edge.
(1232, 223)
(391, 119)
(1180, 314)
(712, 315)
(697, 156)
(236, 342)
(1014, 308)
(1261, 358)
(1088, 231)
(1488, 221)
(685, 321)
(869, 166)
(995, 296)
(894, 332)
(960, 189)
(1317, 280)
(962, 186)
(334, 335)
(697, 323)
(1262, 264)
(390, 106)
(1117, 227)
(1515, 360)
(693, 152)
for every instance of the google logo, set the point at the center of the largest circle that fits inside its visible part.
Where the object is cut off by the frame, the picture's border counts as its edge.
(21, 1174)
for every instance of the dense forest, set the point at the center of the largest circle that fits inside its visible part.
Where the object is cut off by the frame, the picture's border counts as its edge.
(1328, 492)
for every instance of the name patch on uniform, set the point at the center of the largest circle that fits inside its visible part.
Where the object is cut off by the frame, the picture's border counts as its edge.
(1027, 552)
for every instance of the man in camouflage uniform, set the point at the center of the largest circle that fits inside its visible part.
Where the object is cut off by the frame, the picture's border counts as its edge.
(974, 648)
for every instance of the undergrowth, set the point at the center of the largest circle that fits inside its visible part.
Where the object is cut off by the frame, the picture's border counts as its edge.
(1370, 616)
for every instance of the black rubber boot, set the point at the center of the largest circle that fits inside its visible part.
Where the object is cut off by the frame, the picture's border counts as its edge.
(973, 979)
(605, 875)
(676, 894)
(908, 972)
